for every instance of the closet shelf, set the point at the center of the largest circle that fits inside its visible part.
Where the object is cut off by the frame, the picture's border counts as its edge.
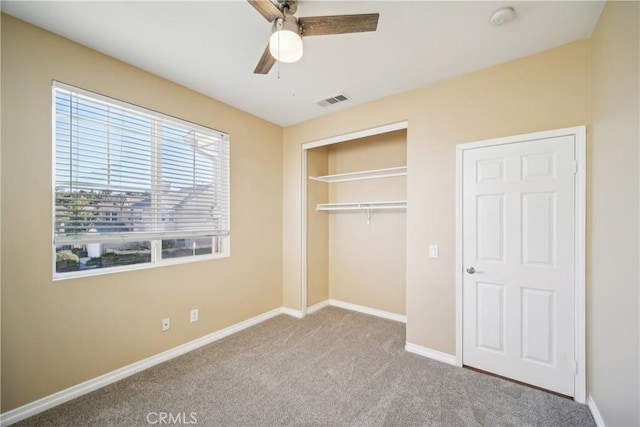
(361, 206)
(354, 176)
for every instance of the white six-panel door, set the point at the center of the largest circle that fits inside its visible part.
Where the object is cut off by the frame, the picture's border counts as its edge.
(518, 237)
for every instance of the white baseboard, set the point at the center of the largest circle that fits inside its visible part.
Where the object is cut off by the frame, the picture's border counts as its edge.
(318, 306)
(368, 310)
(431, 354)
(291, 312)
(347, 306)
(78, 390)
(594, 412)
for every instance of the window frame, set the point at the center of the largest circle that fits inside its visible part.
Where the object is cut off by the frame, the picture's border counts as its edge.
(224, 240)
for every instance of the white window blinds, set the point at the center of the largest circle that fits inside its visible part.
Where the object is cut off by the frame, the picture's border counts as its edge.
(126, 173)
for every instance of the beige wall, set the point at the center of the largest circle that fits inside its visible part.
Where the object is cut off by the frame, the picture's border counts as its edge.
(0, 202)
(613, 357)
(368, 262)
(317, 228)
(544, 91)
(55, 335)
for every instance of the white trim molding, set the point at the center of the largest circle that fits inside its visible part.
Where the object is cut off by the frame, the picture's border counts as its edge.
(367, 310)
(78, 390)
(357, 134)
(594, 412)
(293, 313)
(431, 354)
(55, 399)
(579, 134)
(580, 269)
(303, 230)
(317, 307)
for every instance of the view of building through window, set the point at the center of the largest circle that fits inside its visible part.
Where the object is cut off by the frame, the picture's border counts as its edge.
(134, 186)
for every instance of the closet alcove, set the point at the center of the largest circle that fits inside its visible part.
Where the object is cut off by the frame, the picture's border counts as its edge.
(356, 222)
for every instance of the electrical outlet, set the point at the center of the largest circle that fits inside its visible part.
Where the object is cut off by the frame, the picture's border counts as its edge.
(194, 315)
(166, 324)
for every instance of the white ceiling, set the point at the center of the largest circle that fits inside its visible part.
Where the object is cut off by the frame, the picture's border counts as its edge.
(213, 47)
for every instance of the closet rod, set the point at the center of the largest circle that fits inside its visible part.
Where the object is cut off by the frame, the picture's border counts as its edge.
(366, 207)
(401, 204)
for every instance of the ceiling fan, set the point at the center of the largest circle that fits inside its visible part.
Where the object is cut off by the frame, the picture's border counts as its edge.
(285, 43)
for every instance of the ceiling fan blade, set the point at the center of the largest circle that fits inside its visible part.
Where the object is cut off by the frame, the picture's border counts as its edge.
(340, 24)
(267, 9)
(265, 63)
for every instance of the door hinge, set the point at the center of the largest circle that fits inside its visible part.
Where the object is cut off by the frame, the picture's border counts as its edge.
(575, 368)
(574, 166)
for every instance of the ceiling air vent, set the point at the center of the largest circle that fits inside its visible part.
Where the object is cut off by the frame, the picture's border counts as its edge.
(333, 100)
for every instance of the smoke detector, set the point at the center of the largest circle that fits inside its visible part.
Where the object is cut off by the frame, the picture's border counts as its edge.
(502, 16)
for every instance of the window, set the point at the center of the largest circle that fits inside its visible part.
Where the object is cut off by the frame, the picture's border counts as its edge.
(134, 188)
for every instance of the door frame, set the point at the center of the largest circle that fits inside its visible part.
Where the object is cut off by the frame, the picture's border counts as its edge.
(579, 134)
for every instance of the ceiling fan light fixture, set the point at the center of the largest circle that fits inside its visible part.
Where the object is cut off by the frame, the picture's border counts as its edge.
(285, 43)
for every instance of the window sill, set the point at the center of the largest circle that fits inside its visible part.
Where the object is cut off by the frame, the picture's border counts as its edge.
(58, 277)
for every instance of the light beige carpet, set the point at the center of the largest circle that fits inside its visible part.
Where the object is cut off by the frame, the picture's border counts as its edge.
(333, 368)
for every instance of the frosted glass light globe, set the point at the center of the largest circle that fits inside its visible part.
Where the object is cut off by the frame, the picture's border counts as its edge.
(285, 43)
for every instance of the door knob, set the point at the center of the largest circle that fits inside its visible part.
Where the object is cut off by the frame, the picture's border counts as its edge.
(471, 270)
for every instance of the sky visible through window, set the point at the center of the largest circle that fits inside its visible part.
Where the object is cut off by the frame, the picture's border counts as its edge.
(133, 186)
(103, 147)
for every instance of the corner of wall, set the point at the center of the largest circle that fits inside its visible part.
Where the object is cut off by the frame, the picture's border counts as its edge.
(613, 354)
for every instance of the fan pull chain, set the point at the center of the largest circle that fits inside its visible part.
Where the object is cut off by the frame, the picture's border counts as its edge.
(278, 55)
